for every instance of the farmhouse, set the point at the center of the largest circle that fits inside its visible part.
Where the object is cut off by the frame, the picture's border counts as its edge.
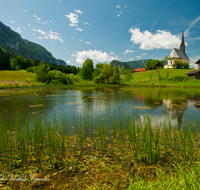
(198, 63)
(178, 55)
(195, 73)
(139, 70)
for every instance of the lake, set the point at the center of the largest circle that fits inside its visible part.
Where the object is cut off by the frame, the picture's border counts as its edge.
(177, 105)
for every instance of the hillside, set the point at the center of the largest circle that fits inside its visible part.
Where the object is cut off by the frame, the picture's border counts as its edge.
(12, 42)
(129, 65)
(136, 64)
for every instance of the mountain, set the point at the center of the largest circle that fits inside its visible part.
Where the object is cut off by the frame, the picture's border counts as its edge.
(12, 42)
(129, 65)
(136, 64)
(61, 62)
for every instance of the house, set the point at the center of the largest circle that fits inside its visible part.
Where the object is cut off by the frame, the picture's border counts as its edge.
(194, 73)
(178, 55)
(198, 63)
(139, 70)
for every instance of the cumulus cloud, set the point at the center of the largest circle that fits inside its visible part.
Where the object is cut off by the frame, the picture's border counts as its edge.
(160, 40)
(79, 29)
(87, 42)
(49, 35)
(111, 53)
(73, 19)
(95, 55)
(68, 61)
(138, 57)
(125, 6)
(128, 51)
(78, 11)
(143, 54)
(118, 15)
(118, 6)
(131, 59)
(13, 22)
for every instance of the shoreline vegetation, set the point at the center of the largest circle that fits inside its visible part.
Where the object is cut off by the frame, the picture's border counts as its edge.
(42, 153)
(168, 78)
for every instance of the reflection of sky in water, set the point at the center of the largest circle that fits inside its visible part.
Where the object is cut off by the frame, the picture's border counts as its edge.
(104, 105)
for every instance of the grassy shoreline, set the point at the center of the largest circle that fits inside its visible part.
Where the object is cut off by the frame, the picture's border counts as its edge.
(40, 153)
(16, 79)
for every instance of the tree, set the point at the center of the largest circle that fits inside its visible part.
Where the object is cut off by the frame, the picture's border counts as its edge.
(128, 74)
(41, 72)
(153, 64)
(115, 79)
(89, 63)
(98, 69)
(180, 65)
(86, 73)
(107, 72)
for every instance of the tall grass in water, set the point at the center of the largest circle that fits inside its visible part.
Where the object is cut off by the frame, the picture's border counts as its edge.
(48, 144)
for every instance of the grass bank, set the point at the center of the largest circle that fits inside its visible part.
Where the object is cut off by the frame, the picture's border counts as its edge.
(14, 79)
(163, 77)
(42, 153)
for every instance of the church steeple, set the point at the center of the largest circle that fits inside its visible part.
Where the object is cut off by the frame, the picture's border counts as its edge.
(182, 46)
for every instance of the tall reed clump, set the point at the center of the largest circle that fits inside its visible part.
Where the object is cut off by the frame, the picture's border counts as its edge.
(48, 144)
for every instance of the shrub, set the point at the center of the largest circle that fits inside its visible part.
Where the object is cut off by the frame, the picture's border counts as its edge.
(181, 78)
(30, 69)
(57, 77)
(99, 79)
(180, 65)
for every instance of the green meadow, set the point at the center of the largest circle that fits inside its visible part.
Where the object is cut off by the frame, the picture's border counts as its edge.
(162, 77)
(13, 79)
(41, 153)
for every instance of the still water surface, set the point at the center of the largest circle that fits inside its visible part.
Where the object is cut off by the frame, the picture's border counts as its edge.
(178, 105)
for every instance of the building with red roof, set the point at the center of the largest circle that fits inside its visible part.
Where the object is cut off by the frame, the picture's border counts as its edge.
(139, 70)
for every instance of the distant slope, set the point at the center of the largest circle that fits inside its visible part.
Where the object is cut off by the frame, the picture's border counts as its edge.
(129, 65)
(136, 64)
(12, 42)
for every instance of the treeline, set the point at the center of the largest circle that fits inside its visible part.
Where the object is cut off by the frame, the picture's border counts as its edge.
(9, 61)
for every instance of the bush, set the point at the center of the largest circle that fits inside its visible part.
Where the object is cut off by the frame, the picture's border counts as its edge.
(181, 78)
(180, 65)
(30, 69)
(57, 78)
(86, 73)
(153, 64)
(99, 79)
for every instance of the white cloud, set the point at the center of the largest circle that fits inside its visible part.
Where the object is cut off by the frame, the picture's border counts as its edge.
(118, 15)
(95, 55)
(18, 30)
(143, 54)
(29, 24)
(111, 53)
(125, 6)
(138, 57)
(35, 16)
(87, 42)
(49, 35)
(13, 22)
(87, 23)
(42, 32)
(59, 1)
(131, 59)
(73, 19)
(38, 18)
(128, 51)
(160, 40)
(118, 6)
(79, 29)
(120, 12)
(68, 61)
(78, 11)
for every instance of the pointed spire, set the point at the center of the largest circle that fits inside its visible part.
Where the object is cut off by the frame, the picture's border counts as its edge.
(182, 46)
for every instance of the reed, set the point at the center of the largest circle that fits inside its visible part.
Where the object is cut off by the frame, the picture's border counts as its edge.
(47, 144)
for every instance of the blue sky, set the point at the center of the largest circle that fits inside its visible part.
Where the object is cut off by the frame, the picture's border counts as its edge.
(103, 30)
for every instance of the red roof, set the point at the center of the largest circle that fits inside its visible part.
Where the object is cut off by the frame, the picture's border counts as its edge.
(192, 72)
(139, 70)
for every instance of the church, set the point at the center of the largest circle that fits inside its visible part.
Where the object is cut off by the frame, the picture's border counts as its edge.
(177, 55)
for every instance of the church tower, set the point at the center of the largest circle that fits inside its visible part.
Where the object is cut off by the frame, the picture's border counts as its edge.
(182, 46)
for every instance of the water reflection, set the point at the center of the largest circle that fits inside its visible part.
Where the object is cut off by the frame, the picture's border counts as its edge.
(162, 104)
